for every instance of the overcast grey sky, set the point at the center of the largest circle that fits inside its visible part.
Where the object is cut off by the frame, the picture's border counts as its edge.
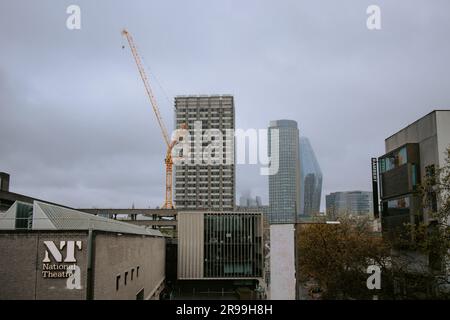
(76, 126)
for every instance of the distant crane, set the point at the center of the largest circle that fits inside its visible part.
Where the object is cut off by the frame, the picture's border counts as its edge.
(168, 204)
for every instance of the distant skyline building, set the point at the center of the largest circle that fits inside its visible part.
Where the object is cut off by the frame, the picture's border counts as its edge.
(206, 186)
(354, 203)
(246, 200)
(311, 180)
(284, 186)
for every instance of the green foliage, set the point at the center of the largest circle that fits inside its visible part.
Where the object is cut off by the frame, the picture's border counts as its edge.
(336, 256)
(414, 264)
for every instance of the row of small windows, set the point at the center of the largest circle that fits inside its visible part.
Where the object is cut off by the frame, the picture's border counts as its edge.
(131, 273)
(204, 196)
(199, 203)
(196, 175)
(188, 178)
(210, 109)
(214, 159)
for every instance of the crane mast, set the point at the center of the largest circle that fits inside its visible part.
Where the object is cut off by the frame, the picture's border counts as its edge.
(168, 204)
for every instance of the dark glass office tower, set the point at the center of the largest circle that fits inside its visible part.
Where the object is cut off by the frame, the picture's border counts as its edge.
(310, 179)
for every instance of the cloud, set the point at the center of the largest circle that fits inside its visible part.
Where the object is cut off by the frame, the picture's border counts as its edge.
(76, 126)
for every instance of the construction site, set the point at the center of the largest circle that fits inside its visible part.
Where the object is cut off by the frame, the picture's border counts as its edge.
(213, 251)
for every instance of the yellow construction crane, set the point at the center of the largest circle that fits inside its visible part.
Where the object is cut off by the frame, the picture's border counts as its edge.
(168, 204)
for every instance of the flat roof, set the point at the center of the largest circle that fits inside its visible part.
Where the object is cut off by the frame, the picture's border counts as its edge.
(412, 123)
(204, 96)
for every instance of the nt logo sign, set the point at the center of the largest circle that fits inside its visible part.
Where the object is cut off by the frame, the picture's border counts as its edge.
(62, 266)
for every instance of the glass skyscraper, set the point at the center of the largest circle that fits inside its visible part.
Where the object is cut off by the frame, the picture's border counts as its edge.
(284, 186)
(310, 179)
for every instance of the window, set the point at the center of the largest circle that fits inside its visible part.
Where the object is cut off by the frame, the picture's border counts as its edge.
(401, 157)
(137, 272)
(414, 175)
(396, 207)
(126, 277)
(117, 282)
(393, 160)
(399, 203)
(24, 214)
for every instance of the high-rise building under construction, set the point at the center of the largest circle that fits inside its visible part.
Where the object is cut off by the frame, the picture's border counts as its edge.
(201, 183)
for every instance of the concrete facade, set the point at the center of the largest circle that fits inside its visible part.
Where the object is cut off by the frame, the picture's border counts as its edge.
(140, 259)
(282, 262)
(199, 185)
(190, 246)
(21, 266)
(431, 132)
(108, 255)
(411, 154)
(51, 252)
